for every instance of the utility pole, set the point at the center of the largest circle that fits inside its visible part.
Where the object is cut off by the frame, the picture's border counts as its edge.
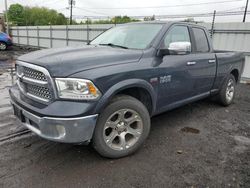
(6, 16)
(245, 13)
(212, 28)
(71, 4)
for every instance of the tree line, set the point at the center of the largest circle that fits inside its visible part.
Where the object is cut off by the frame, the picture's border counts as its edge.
(114, 20)
(24, 15)
(33, 16)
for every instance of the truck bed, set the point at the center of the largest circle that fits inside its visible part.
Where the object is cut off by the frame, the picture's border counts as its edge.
(227, 61)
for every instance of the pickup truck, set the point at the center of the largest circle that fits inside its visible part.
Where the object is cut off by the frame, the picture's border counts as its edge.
(104, 93)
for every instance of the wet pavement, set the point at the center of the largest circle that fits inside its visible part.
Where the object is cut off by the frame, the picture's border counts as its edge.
(9, 126)
(198, 145)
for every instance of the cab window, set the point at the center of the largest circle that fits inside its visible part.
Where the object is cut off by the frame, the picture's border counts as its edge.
(200, 40)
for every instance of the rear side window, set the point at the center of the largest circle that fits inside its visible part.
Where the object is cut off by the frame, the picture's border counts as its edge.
(200, 40)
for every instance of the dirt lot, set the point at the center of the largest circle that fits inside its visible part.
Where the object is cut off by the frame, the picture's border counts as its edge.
(198, 145)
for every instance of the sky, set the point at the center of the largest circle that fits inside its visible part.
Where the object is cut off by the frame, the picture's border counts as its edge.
(109, 8)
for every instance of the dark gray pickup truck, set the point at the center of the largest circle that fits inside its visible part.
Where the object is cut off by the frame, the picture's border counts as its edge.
(106, 92)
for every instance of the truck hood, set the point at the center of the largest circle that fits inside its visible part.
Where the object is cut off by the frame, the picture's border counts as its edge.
(62, 62)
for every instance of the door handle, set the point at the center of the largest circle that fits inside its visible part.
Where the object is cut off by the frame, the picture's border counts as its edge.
(211, 61)
(191, 63)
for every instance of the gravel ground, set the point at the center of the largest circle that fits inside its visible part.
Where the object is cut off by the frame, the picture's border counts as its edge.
(198, 145)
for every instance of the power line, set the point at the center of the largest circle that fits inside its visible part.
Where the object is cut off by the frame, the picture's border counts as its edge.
(91, 11)
(229, 13)
(168, 6)
(46, 2)
(237, 8)
(65, 8)
(222, 13)
(171, 16)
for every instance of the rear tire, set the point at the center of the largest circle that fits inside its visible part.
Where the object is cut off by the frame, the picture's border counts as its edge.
(227, 92)
(3, 46)
(121, 128)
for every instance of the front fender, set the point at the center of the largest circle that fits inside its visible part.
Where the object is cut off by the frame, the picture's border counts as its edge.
(118, 87)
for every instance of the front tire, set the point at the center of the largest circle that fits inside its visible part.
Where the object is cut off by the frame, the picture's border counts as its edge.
(121, 128)
(227, 92)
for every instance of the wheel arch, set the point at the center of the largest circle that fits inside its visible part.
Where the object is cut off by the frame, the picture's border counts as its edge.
(236, 74)
(137, 88)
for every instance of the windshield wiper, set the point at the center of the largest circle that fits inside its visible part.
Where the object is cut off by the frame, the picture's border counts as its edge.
(114, 45)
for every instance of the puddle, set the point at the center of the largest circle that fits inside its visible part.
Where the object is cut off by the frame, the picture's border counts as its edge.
(7, 67)
(6, 64)
(3, 62)
(6, 80)
(190, 130)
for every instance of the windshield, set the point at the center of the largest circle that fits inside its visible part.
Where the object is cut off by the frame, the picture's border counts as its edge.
(129, 36)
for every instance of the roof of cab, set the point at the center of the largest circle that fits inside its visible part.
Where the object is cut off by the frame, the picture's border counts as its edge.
(168, 23)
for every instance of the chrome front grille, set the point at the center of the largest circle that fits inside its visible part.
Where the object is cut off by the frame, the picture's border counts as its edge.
(34, 74)
(34, 82)
(39, 91)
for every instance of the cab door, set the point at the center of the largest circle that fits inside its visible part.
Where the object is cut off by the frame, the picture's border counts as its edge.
(203, 69)
(176, 82)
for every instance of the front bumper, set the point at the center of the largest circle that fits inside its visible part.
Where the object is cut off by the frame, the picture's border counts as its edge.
(66, 130)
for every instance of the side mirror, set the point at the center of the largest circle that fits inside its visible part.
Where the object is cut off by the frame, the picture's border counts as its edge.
(180, 48)
(176, 48)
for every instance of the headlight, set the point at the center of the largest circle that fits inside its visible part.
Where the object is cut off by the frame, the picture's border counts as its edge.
(73, 88)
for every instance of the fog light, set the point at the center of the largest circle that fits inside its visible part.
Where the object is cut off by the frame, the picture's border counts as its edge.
(61, 131)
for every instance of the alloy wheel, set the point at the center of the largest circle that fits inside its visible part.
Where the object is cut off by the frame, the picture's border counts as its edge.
(2, 46)
(230, 90)
(123, 129)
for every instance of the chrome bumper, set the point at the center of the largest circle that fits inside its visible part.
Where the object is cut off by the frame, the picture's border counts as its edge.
(66, 130)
